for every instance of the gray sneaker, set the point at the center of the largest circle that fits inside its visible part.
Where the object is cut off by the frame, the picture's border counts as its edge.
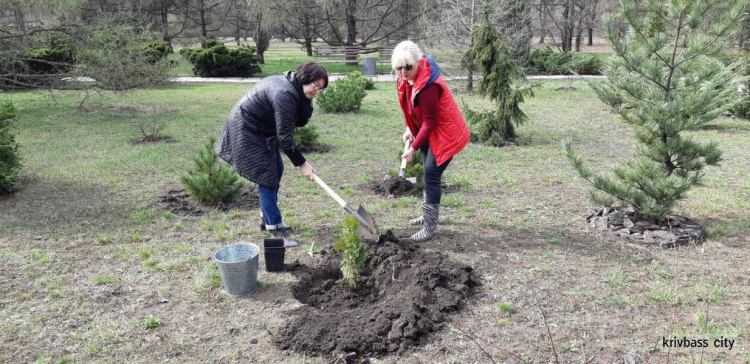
(284, 233)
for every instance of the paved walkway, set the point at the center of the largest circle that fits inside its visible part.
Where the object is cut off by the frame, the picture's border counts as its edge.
(378, 78)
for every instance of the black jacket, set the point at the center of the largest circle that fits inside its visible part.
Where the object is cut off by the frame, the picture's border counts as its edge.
(261, 123)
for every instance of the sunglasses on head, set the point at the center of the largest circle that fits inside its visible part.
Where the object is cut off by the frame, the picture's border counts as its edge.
(408, 67)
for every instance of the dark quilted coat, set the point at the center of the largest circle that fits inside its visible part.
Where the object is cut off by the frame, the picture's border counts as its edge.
(261, 123)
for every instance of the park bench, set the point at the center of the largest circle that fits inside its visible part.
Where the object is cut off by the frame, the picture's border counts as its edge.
(337, 54)
(384, 56)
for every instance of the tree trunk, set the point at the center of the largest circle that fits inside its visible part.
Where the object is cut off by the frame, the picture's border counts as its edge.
(542, 23)
(578, 41)
(262, 41)
(351, 27)
(470, 78)
(591, 36)
(308, 46)
(20, 22)
(567, 34)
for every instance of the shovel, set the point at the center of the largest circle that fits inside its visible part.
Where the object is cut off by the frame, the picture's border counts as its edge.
(367, 226)
(402, 170)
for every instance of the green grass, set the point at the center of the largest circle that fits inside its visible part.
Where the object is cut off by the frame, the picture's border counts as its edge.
(281, 57)
(520, 232)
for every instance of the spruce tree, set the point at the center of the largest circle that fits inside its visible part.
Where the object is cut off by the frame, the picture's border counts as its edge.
(501, 76)
(662, 90)
(211, 181)
(10, 162)
(352, 249)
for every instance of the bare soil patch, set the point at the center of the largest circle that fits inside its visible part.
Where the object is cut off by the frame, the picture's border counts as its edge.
(403, 294)
(127, 111)
(179, 202)
(145, 140)
(319, 148)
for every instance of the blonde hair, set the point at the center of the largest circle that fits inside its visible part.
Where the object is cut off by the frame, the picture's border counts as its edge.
(406, 52)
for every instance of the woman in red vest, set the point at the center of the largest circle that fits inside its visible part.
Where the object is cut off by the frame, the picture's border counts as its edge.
(434, 126)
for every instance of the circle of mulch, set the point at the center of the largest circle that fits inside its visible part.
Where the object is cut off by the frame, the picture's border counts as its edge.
(566, 88)
(179, 202)
(672, 231)
(318, 148)
(144, 140)
(402, 295)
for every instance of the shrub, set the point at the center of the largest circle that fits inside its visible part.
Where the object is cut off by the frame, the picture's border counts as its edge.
(367, 82)
(216, 60)
(352, 249)
(114, 56)
(10, 162)
(345, 94)
(306, 138)
(156, 50)
(56, 57)
(547, 61)
(211, 181)
(742, 68)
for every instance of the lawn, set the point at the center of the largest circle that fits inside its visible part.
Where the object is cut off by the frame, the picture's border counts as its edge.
(96, 269)
(284, 56)
(280, 57)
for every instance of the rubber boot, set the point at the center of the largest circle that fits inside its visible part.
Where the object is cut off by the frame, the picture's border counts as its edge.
(430, 213)
(283, 232)
(420, 220)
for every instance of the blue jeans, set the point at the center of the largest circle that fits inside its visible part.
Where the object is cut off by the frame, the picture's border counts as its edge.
(269, 200)
(432, 174)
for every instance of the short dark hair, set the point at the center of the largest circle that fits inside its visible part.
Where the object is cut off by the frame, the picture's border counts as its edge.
(310, 72)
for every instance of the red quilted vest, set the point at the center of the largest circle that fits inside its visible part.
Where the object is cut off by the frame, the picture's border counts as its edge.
(451, 134)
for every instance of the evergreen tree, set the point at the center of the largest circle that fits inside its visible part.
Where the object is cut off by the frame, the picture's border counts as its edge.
(662, 91)
(345, 94)
(10, 162)
(211, 181)
(352, 249)
(500, 77)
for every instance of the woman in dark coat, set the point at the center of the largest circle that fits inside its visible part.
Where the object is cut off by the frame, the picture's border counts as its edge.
(261, 124)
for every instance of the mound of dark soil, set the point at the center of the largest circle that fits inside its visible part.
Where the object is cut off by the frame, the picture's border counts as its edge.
(395, 187)
(402, 295)
(399, 187)
(180, 203)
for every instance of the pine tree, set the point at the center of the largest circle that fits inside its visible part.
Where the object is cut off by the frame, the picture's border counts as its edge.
(345, 94)
(211, 181)
(10, 162)
(662, 90)
(352, 249)
(500, 77)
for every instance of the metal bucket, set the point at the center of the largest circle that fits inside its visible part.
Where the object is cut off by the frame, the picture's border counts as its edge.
(238, 265)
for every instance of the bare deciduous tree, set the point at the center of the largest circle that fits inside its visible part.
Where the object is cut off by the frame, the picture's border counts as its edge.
(300, 20)
(208, 15)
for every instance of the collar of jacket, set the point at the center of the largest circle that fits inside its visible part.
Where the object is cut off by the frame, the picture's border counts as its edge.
(305, 108)
(427, 73)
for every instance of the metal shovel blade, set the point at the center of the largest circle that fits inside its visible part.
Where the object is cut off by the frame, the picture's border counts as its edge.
(368, 229)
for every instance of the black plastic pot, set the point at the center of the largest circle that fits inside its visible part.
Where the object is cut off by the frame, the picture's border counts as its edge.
(273, 252)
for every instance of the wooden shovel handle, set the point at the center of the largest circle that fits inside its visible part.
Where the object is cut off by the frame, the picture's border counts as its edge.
(330, 191)
(403, 160)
